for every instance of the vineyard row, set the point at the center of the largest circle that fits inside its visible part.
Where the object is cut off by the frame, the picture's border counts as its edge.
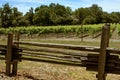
(77, 29)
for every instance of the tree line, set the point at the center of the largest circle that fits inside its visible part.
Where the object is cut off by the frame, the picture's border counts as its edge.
(55, 14)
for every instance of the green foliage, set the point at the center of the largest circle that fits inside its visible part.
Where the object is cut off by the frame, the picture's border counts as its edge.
(6, 16)
(81, 14)
(29, 16)
(87, 29)
(55, 14)
(11, 17)
(2, 31)
(118, 29)
(90, 15)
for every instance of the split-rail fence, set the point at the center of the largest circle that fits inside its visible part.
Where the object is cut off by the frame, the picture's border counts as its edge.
(102, 59)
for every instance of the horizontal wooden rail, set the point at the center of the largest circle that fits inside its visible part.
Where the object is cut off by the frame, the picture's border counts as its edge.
(72, 47)
(53, 61)
(2, 58)
(63, 46)
(57, 55)
(3, 45)
(53, 57)
(58, 51)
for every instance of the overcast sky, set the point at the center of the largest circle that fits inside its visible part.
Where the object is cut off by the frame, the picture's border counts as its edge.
(24, 5)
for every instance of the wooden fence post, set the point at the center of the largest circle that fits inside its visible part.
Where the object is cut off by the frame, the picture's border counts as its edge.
(9, 54)
(15, 63)
(103, 52)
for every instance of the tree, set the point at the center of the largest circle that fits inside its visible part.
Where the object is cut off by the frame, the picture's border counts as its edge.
(60, 15)
(106, 18)
(6, 16)
(10, 17)
(115, 17)
(96, 12)
(0, 16)
(23, 21)
(89, 20)
(16, 17)
(54, 14)
(42, 15)
(81, 14)
(29, 16)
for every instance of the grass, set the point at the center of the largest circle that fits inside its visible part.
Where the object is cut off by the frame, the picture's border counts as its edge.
(47, 71)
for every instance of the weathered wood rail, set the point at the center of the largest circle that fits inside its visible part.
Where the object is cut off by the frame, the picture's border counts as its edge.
(102, 59)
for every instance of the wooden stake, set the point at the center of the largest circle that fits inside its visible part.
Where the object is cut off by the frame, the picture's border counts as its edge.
(9, 54)
(15, 64)
(103, 52)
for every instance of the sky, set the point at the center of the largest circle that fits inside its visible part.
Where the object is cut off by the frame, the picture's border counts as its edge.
(25, 5)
